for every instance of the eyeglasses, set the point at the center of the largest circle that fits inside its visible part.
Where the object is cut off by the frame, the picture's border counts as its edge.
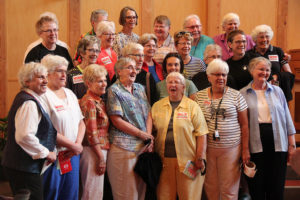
(131, 17)
(93, 50)
(137, 55)
(214, 56)
(109, 34)
(50, 30)
(130, 67)
(61, 71)
(185, 43)
(219, 74)
(194, 27)
(150, 46)
(240, 42)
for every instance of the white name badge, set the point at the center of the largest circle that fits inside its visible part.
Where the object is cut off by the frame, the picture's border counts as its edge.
(182, 115)
(77, 79)
(273, 58)
(106, 60)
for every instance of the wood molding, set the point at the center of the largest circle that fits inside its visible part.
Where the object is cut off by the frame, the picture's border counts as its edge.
(213, 17)
(282, 17)
(74, 24)
(147, 16)
(2, 59)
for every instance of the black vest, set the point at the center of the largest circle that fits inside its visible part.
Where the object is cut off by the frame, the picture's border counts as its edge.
(14, 156)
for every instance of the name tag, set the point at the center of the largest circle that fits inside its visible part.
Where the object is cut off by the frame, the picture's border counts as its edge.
(106, 60)
(59, 108)
(273, 58)
(206, 103)
(182, 115)
(77, 79)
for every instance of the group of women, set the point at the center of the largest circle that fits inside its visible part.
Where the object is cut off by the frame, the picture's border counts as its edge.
(196, 132)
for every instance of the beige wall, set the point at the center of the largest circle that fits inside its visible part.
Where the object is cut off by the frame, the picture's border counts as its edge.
(20, 17)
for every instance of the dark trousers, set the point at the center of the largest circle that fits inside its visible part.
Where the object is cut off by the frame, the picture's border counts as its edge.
(23, 180)
(268, 182)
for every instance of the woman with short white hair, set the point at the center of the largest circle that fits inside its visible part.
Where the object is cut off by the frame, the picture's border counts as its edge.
(106, 32)
(225, 111)
(61, 180)
(230, 22)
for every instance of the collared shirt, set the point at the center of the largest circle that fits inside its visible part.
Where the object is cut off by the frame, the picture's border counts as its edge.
(108, 61)
(96, 120)
(131, 107)
(226, 51)
(167, 47)
(26, 123)
(122, 40)
(158, 70)
(162, 92)
(188, 123)
(282, 122)
(198, 50)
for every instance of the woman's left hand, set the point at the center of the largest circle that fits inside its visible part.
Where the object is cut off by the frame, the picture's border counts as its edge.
(199, 163)
(100, 167)
(245, 156)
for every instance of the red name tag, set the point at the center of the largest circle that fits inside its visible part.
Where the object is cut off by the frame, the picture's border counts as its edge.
(274, 58)
(106, 60)
(77, 79)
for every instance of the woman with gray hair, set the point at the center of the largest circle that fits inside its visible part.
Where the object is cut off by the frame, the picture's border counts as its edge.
(230, 22)
(149, 42)
(272, 132)
(95, 143)
(165, 42)
(129, 20)
(225, 111)
(180, 141)
(129, 112)
(31, 136)
(61, 180)
(106, 32)
(88, 48)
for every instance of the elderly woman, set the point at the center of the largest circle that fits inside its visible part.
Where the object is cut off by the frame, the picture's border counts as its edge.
(231, 22)
(165, 42)
(129, 112)
(95, 143)
(149, 42)
(31, 136)
(181, 138)
(61, 180)
(238, 63)
(212, 51)
(128, 19)
(47, 29)
(107, 57)
(174, 63)
(89, 48)
(193, 25)
(136, 52)
(225, 111)
(183, 44)
(271, 132)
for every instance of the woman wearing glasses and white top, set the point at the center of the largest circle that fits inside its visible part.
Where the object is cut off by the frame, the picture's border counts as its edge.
(225, 111)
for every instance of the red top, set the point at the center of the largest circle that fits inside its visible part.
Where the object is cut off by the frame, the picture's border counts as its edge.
(158, 69)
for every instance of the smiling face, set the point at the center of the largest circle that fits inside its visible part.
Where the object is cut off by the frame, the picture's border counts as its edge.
(150, 48)
(128, 73)
(238, 45)
(173, 65)
(91, 54)
(218, 79)
(231, 25)
(161, 30)
(175, 88)
(130, 19)
(98, 86)
(194, 27)
(107, 39)
(184, 47)
(262, 41)
(261, 72)
(138, 56)
(49, 33)
(38, 84)
(58, 77)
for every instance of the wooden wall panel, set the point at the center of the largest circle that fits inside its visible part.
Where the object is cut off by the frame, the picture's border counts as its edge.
(2, 59)
(20, 22)
(293, 27)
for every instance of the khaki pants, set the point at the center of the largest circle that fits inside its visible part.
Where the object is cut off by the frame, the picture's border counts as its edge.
(124, 182)
(173, 182)
(223, 173)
